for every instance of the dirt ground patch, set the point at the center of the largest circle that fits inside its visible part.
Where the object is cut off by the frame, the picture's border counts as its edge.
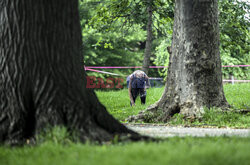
(158, 130)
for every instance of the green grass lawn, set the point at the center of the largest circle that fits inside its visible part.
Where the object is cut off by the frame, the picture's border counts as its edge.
(55, 148)
(173, 151)
(238, 95)
(118, 103)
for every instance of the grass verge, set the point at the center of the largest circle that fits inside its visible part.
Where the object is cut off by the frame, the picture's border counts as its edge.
(178, 151)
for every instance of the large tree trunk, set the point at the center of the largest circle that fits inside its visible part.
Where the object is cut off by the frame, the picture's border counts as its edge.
(194, 78)
(147, 52)
(42, 79)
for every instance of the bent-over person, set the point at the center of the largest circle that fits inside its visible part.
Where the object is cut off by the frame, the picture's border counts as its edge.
(138, 82)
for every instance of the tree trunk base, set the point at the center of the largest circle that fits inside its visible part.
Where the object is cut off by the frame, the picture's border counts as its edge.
(157, 113)
(42, 81)
(194, 79)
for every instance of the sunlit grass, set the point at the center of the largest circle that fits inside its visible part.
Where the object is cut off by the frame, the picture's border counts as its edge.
(238, 95)
(118, 103)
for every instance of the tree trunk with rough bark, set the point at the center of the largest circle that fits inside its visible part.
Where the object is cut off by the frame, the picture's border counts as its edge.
(147, 53)
(194, 78)
(42, 78)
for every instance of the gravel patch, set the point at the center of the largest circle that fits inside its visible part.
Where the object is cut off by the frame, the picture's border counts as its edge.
(171, 131)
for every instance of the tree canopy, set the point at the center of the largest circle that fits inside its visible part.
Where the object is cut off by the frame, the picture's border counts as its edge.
(114, 34)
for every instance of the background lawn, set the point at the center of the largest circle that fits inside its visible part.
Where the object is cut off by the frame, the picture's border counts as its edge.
(238, 95)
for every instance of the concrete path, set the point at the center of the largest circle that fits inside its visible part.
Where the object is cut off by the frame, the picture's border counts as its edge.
(170, 131)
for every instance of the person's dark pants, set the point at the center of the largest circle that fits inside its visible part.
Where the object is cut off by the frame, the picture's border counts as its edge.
(136, 91)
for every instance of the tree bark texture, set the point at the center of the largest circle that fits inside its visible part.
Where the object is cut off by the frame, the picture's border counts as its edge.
(147, 53)
(194, 78)
(42, 78)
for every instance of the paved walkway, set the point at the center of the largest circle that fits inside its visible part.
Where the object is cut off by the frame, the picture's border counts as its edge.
(170, 131)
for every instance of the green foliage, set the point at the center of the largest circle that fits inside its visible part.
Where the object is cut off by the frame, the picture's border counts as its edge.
(109, 48)
(121, 25)
(162, 56)
(130, 13)
(176, 150)
(234, 37)
(114, 34)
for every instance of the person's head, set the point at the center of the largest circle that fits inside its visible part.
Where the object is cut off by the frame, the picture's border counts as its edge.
(138, 71)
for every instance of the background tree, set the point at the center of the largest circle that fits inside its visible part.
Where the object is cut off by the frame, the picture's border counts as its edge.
(148, 14)
(194, 79)
(42, 81)
(124, 42)
(116, 47)
(147, 53)
(234, 39)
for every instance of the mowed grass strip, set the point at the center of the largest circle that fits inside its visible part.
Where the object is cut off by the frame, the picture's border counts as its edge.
(177, 151)
(118, 102)
(238, 95)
